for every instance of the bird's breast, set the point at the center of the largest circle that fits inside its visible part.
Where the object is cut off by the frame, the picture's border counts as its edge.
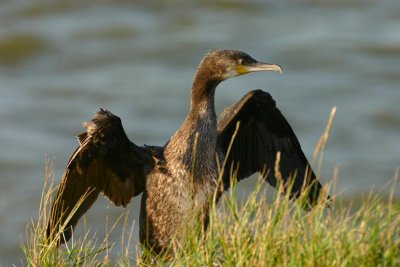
(178, 191)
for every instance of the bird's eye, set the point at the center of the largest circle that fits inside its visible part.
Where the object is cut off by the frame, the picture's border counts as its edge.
(241, 61)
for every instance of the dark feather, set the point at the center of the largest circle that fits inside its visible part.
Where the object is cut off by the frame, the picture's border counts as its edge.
(262, 133)
(107, 162)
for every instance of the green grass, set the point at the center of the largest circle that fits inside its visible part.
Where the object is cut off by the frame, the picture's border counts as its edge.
(254, 233)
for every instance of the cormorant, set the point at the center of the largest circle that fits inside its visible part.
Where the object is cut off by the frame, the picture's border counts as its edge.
(178, 180)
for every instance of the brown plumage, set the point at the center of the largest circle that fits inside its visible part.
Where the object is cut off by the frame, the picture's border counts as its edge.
(179, 179)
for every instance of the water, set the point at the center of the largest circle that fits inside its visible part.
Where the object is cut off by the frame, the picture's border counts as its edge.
(60, 62)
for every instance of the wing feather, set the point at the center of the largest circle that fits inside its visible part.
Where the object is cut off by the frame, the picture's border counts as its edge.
(105, 162)
(264, 132)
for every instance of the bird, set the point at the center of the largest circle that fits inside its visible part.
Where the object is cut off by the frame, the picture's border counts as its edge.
(178, 180)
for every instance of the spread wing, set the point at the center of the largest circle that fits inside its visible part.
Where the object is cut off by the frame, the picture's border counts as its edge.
(264, 131)
(105, 162)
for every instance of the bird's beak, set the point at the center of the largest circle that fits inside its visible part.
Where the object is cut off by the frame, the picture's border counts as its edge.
(258, 66)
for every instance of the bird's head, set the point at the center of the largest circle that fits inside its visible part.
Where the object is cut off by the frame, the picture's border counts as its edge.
(225, 64)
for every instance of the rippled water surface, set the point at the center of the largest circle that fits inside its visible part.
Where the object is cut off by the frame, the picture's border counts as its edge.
(61, 61)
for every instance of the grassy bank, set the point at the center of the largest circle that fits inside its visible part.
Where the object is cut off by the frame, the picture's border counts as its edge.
(255, 233)
(360, 232)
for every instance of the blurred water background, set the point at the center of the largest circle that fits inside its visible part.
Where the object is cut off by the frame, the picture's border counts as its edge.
(62, 60)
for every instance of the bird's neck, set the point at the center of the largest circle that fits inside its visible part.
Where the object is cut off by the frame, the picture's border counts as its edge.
(194, 144)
